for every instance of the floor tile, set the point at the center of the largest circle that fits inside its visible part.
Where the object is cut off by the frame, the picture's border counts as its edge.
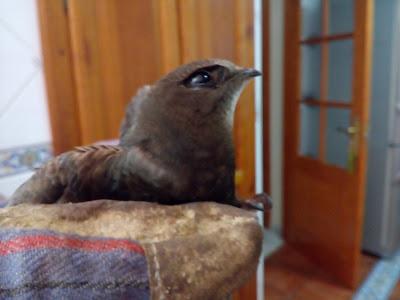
(291, 276)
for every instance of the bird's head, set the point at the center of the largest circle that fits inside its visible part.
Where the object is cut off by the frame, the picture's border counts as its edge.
(204, 91)
(206, 87)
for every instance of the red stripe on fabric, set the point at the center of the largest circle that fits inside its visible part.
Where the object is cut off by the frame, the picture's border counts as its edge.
(26, 243)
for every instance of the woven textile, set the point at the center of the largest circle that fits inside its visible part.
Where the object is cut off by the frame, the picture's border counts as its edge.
(193, 251)
(38, 264)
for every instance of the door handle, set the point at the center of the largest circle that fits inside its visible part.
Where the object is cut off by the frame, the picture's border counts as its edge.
(350, 131)
(394, 145)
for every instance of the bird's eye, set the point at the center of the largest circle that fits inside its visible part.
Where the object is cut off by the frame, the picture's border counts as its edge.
(199, 79)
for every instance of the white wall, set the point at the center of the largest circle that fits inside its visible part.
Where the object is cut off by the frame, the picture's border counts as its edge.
(276, 110)
(24, 124)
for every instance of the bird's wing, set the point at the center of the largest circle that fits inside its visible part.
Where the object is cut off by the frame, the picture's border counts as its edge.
(98, 172)
(50, 182)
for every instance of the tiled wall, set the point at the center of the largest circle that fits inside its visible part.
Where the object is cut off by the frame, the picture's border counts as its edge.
(24, 123)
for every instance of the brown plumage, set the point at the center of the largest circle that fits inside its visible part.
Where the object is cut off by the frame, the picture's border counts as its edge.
(176, 146)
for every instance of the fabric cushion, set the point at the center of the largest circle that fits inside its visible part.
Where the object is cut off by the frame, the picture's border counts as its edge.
(40, 264)
(193, 251)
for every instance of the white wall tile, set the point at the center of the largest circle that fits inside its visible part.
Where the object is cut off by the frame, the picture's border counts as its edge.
(20, 17)
(23, 109)
(26, 121)
(17, 67)
(10, 183)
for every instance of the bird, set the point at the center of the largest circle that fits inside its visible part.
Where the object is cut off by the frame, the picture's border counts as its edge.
(176, 146)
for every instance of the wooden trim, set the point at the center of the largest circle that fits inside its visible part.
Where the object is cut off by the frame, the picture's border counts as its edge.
(324, 81)
(244, 115)
(327, 38)
(364, 10)
(59, 75)
(291, 112)
(335, 103)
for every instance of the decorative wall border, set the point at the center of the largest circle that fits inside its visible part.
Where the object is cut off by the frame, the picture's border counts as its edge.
(23, 159)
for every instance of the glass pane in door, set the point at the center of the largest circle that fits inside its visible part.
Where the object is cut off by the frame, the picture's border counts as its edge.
(309, 130)
(337, 138)
(340, 70)
(310, 71)
(341, 16)
(311, 18)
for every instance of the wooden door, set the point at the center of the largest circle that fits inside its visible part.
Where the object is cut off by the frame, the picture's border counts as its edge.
(327, 78)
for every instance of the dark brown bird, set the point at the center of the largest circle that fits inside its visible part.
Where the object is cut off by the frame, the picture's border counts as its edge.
(176, 146)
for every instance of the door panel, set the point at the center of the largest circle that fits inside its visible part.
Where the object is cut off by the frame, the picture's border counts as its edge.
(310, 71)
(58, 71)
(112, 43)
(341, 16)
(311, 23)
(340, 70)
(309, 130)
(327, 68)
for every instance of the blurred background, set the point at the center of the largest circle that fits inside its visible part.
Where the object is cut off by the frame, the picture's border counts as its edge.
(319, 131)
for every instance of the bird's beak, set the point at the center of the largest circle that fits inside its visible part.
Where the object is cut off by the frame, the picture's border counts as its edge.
(249, 73)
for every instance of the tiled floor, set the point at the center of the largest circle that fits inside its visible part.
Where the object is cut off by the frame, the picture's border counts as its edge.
(291, 276)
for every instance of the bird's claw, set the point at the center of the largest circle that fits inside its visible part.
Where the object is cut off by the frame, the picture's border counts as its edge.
(253, 203)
